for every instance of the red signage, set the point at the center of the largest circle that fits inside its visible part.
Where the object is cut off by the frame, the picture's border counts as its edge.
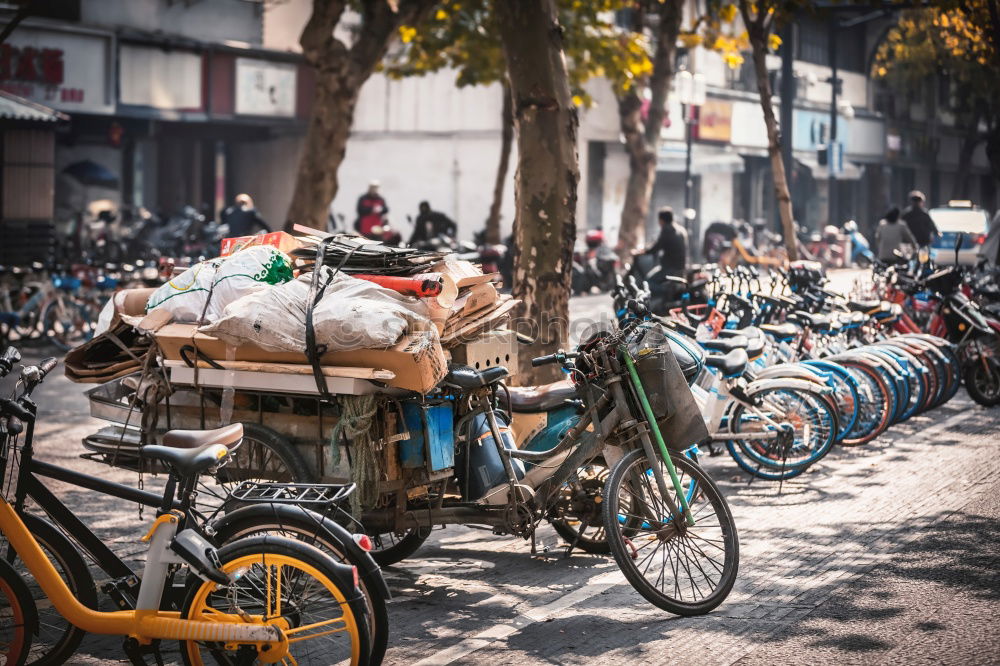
(30, 65)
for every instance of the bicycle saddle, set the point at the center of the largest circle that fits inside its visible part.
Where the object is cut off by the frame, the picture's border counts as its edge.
(229, 436)
(187, 462)
(726, 344)
(731, 365)
(755, 339)
(813, 321)
(528, 399)
(784, 331)
(466, 378)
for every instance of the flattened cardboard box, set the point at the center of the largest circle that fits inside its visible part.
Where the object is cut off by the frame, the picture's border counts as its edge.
(417, 359)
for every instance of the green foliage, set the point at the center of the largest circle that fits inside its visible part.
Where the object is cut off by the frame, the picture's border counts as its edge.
(463, 35)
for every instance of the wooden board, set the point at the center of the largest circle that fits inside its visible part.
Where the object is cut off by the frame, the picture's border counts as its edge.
(299, 369)
(491, 320)
(247, 380)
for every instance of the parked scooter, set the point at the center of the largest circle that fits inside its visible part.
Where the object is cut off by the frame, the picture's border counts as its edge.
(861, 252)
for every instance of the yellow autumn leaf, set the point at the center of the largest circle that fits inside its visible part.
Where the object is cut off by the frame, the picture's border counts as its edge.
(728, 13)
(773, 42)
(881, 71)
(441, 15)
(577, 100)
(734, 60)
(407, 33)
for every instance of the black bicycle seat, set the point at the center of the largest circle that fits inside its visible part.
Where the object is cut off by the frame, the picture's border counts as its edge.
(187, 462)
(865, 306)
(732, 364)
(726, 344)
(528, 399)
(466, 378)
(813, 321)
(784, 331)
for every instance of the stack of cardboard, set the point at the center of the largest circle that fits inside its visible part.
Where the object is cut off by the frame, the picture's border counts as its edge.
(477, 306)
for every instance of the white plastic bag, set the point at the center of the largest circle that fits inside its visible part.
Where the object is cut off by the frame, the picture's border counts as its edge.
(353, 314)
(227, 279)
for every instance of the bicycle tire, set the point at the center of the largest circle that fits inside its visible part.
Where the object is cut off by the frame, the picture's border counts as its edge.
(305, 529)
(57, 638)
(398, 548)
(635, 466)
(17, 613)
(982, 384)
(876, 400)
(273, 551)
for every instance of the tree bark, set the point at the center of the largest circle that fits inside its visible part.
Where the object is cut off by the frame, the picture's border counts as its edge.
(340, 73)
(546, 179)
(642, 139)
(506, 141)
(758, 30)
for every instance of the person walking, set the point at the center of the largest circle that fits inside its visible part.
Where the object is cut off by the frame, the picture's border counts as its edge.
(891, 235)
(242, 218)
(671, 245)
(371, 212)
(431, 224)
(919, 221)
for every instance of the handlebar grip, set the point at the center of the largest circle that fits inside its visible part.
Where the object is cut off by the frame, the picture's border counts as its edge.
(7, 361)
(544, 360)
(47, 365)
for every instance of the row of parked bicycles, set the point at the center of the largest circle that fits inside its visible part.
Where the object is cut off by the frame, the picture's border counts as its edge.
(60, 305)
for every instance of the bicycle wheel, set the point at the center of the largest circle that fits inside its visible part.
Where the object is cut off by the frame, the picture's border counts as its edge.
(686, 570)
(66, 324)
(876, 404)
(57, 639)
(288, 583)
(388, 548)
(304, 529)
(18, 617)
(814, 430)
(845, 394)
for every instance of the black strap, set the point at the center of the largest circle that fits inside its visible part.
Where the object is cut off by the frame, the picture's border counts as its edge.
(312, 352)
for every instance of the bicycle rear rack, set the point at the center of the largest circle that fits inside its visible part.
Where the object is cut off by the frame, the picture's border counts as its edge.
(256, 492)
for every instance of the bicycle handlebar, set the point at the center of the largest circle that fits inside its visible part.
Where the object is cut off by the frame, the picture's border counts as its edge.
(10, 357)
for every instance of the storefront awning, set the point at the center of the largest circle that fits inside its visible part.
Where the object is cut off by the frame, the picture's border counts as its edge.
(13, 107)
(704, 159)
(850, 171)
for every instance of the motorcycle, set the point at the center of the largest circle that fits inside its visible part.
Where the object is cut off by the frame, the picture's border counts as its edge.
(669, 291)
(594, 264)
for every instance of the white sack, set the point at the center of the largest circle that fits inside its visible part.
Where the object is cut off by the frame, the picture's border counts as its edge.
(353, 314)
(228, 279)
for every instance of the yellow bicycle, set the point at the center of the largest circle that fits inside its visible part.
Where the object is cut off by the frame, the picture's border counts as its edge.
(264, 599)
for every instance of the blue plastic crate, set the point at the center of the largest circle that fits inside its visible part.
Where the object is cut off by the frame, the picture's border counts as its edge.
(432, 436)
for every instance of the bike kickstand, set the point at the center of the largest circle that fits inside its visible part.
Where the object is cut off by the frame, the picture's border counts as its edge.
(584, 524)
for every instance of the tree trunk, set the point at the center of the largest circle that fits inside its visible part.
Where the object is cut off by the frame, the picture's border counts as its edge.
(546, 180)
(340, 73)
(758, 35)
(506, 140)
(642, 140)
(323, 151)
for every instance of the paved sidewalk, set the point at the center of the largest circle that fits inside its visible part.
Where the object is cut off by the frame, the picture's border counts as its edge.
(886, 553)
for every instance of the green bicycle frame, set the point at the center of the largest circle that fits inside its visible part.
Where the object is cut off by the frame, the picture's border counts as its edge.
(651, 418)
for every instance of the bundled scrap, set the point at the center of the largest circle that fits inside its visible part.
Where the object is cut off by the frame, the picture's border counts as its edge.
(308, 315)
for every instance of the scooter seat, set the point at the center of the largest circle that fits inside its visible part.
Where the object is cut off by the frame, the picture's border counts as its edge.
(731, 365)
(533, 399)
(187, 462)
(467, 378)
(784, 331)
(869, 307)
(726, 344)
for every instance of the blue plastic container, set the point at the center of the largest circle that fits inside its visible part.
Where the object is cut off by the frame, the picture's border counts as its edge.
(432, 436)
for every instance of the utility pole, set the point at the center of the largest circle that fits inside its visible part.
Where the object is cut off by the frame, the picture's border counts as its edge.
(831, 146)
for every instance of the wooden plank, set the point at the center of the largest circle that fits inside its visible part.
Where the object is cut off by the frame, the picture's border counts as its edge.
(492, 320)
(266, 381)
(296, 369)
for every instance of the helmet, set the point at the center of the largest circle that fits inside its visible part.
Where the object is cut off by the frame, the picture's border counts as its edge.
(850, 226)
(594, 238)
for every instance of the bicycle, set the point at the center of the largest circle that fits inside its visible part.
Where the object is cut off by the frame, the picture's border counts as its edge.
(232, 604)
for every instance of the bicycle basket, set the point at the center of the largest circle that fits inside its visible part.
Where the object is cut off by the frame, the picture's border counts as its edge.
(677, 414)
